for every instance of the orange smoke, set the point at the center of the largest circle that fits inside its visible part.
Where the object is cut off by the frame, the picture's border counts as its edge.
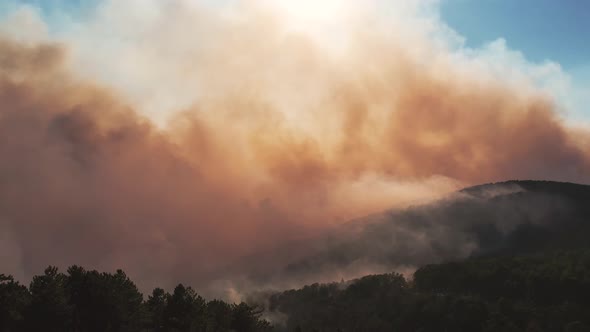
(285, 139)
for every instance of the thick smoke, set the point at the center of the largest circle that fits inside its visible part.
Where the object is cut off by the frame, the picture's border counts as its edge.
(173, 141)
(504, 218)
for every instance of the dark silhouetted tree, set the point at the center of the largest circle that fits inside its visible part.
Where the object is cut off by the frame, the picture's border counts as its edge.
(219, 316)
(49, 309)
(185, 310)
(14, 299)
(156, 307)
(247, 319)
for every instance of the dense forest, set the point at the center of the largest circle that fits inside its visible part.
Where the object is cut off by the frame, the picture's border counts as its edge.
(89, 301)
(541, 292)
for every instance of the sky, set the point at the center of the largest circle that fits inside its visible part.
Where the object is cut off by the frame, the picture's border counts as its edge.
(174, 137)
(524, 24)
(542, 30)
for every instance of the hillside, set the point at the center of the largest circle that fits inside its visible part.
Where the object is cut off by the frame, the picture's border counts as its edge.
(506, 218)
(511, 256)
(544, 292)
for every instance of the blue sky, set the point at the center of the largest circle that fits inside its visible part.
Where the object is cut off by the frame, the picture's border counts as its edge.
(555, 30)
(541, 29)
(53, 10)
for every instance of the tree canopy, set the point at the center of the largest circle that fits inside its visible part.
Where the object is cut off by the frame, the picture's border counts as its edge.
(548, 292)
(90, 301)
(542, 292)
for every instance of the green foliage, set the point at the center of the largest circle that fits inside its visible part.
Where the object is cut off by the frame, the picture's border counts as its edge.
(545, 292)
(548, 278)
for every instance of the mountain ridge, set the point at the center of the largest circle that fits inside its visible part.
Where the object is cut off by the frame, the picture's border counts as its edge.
(502, 218)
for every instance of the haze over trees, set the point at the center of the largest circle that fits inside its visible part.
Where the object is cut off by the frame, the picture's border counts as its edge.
(533, 293)
(90, 301)
(528, 293)
(514, 217)
(535, 277)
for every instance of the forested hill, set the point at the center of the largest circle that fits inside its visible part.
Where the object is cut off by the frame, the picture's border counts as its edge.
(543, 215)
(529, 272)
(515, 217)
(545, 292)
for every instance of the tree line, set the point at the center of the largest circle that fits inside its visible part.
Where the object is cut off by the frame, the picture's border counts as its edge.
(89, 301)
(548, 292)
(534, 293)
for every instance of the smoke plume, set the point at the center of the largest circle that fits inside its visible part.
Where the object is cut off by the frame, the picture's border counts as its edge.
(172, 138)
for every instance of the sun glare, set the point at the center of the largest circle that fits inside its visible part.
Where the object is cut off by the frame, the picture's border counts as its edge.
(326, 21)
(311, 11)
(314, 14)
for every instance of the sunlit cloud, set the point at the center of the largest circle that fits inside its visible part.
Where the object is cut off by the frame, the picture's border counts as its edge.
(151, 134)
